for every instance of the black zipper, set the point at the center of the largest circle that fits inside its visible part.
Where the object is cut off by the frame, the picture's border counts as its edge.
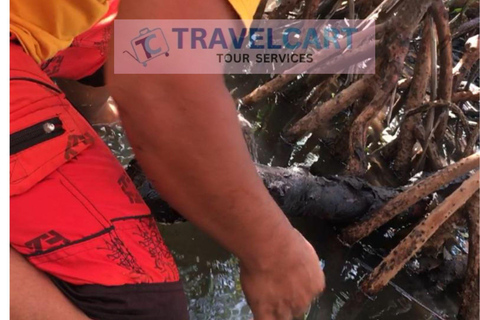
(35, 134)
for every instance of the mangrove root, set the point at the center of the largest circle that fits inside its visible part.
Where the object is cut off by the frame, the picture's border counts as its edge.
(470, 56)
(462, 96)
(419, 83)
(445, 82)
(267, 89)
(469, 305)
(409, 197)
(397, 258)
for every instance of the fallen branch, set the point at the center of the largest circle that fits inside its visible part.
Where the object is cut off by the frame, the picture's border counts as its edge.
(409, 197)
(469, 305)
(407, 248)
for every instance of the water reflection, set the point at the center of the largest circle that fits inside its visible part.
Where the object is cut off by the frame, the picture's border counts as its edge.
(211, 275)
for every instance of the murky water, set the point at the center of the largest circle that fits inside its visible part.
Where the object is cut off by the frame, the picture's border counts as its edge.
(211, 278)
(210, 274)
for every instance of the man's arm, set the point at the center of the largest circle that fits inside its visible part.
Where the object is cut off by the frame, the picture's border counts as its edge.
(34, 297)
(185, 134)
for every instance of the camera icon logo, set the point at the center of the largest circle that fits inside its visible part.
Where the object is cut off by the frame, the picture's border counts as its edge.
(148, 45)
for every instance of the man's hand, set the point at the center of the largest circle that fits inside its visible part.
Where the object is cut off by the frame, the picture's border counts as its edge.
(283, 287)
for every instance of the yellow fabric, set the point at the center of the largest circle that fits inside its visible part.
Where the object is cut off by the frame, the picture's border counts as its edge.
(45, 27)
(245, 9)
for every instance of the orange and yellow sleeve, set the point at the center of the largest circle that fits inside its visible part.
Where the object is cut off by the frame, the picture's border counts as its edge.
(48, 26)
(245, 8)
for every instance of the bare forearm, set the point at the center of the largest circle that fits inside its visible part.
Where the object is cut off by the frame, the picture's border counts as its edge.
(188, 140)
(34, 297)
(185, 133)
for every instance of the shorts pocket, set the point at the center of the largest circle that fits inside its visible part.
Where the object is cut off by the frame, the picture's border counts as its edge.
(45, 138)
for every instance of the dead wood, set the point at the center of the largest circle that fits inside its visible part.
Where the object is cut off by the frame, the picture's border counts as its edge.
(469, 304)
(407, 198)
(397, 258)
